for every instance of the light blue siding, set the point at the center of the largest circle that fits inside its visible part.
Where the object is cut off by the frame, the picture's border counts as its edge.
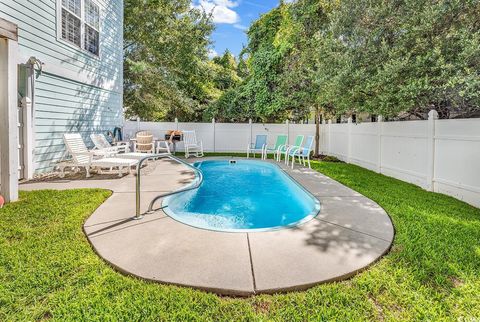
(67, 106)
(37, 23)
(77, 92)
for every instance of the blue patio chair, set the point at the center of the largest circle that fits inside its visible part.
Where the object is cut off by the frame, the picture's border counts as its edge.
(303, 153)
(258, 146)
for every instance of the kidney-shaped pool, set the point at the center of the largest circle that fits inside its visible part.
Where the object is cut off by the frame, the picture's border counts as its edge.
(243, 195)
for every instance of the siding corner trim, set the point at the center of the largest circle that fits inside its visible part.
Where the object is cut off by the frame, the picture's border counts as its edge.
(8, 30)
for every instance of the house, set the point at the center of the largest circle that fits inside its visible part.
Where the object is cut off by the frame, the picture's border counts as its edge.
(63, 63)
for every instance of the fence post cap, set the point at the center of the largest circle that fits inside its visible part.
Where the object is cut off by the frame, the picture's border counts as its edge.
(433, 114)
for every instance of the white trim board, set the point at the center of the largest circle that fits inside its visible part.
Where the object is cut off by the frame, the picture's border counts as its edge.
(8, 30)
(8, 120)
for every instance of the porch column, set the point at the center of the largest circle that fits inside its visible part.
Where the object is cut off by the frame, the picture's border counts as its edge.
(8, 111)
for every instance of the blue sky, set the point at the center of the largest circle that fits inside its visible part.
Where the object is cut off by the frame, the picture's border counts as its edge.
(232, 18)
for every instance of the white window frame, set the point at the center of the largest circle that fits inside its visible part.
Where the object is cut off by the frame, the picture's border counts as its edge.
(82, 28)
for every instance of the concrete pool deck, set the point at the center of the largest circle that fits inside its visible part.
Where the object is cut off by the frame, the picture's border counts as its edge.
(350, 233)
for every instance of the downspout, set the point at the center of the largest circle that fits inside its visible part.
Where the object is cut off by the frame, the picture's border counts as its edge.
(34, 70)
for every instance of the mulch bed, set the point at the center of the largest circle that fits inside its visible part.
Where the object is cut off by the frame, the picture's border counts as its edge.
(81, 175)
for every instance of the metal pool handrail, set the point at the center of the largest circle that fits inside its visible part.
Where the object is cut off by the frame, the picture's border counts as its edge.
(199, 174)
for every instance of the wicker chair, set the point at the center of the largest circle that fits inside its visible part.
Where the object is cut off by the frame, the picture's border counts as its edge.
(144, 142)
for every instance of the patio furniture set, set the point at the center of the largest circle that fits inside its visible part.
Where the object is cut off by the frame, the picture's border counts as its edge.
(117, 155)
(299, 150)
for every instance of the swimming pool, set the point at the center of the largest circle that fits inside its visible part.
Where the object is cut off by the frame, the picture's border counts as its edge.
(246, 195)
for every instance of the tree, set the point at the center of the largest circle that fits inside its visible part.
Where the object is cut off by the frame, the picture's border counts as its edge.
(166, 70)
(394, 58)
(260, 95)
(242, 68)
(309, 19)
(401, 58)
(225, 69)
(229, 107)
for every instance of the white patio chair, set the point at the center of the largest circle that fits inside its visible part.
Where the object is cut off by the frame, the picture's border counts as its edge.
(192, 146)
(163, 146)
(82, 157)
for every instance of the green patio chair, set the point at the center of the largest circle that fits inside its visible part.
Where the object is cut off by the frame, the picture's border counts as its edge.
(281, 141)
(284, 150)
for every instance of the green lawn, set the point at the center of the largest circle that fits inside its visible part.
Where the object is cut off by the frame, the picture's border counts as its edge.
(49, 271)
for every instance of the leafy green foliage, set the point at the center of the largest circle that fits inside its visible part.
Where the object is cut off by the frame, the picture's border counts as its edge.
(280, 84)
(48, 270)
(397, 59)
(232, 106)
(267, 50)
(401, 58)
(225, 68)
(166, 63)
(227, 76)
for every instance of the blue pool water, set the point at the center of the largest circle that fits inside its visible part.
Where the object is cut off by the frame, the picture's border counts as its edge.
(248, 195)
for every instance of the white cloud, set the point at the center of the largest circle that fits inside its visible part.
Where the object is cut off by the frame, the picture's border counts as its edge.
(212, 53)
(254, 4)
(226, 3)
(240, 26)
(221, 10)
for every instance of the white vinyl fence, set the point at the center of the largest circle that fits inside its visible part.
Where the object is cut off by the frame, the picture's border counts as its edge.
(437, 155)
(222, 137)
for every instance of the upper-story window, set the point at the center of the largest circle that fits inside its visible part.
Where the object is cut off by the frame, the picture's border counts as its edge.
(81, 24)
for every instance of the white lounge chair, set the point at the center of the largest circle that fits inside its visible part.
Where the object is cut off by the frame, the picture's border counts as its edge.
(82, 157)
(302, 153)
(103, 148)
(192, 146)
(101, 143)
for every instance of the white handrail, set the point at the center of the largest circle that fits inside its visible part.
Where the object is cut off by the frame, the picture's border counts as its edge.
(138, 215)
